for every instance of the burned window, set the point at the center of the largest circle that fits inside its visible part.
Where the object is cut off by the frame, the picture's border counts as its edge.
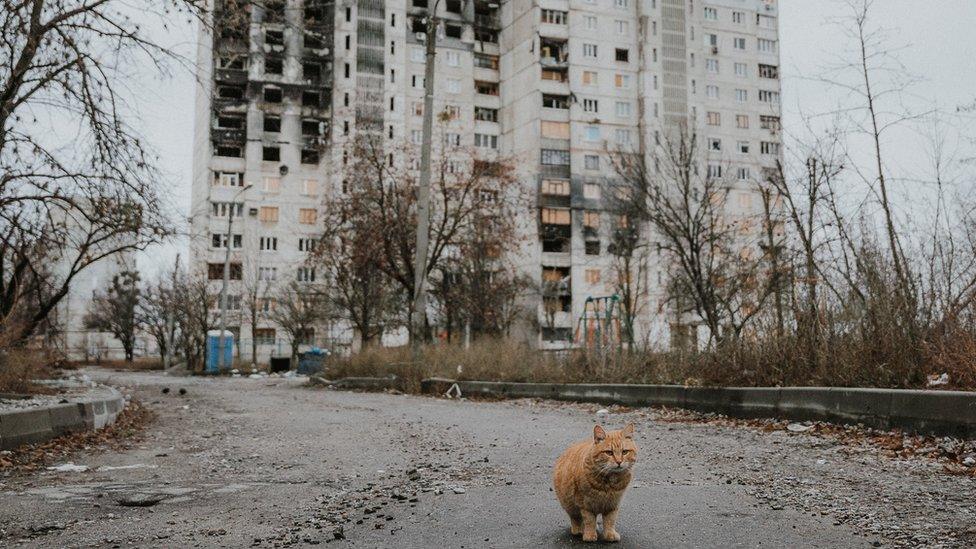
(453, 6)
(230, 92)
(310, 156)
(230, 121)
(453, 31)
(271, 154)
(274, 10)
(311, 98)
(236, 62)
(417, 25)
(555, 101)
(313, 41)
(311, 71)
(272, 123)
(272, 95)
(273, 65)
(314, 13)
(622, 55)
(482, 34)
(232, 151)
(311, 126)
(274, 37)
(592, 247)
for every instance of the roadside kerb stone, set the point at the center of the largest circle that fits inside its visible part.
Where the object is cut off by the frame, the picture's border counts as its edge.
(93, 411)
(925, 412)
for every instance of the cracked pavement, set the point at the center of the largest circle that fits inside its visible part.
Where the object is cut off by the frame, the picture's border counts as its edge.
(270, 463)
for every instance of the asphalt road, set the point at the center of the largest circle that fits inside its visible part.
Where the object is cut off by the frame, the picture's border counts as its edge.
(268, 463)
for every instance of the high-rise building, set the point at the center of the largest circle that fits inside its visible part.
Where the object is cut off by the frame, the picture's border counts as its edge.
(555, 84)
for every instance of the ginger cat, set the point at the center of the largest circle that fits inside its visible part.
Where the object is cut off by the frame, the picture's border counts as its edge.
(590, 478)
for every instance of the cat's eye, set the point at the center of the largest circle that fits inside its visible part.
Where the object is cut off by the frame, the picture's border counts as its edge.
(608, 452)
(625, 452)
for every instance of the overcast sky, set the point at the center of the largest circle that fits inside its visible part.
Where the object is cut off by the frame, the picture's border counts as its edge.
(938, 42)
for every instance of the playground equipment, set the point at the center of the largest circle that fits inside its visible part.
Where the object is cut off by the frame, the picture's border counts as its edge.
(598, 327)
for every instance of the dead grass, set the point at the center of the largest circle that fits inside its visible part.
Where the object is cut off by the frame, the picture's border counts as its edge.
(839, 361)
(19, 368)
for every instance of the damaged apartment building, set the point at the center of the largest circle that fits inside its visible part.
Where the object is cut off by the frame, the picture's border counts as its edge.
(554, 84)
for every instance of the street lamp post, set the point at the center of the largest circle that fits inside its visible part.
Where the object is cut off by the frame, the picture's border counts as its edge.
(226, 279)
(423, 192)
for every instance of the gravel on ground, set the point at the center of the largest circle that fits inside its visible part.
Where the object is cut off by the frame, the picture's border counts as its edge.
(270, 463)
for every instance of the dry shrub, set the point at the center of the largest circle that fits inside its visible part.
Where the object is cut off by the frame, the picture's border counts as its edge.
(850, 360)
(954, 353)
(20, 367)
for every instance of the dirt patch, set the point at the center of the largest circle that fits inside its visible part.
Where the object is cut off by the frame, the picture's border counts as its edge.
(119, 436)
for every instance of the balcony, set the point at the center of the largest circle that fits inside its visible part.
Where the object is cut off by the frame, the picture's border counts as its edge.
(490, 21)
(553, 54)
(230, 76)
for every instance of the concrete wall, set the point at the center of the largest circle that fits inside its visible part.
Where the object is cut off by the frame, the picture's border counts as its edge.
(940, 412)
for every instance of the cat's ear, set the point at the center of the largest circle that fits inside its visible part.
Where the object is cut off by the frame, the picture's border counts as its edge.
(628, 431)
(599, 434)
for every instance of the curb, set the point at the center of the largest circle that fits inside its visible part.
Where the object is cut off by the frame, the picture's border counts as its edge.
(40, 424)
(924, 412)
(365, 383)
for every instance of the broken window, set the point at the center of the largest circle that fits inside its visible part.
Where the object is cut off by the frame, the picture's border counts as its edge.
(233, 151)
(271, 154)
(274, 37)
(272, 123)
(312, 127)
(230, 121)
(311, 71)
(310, 156)
(453, 31)
(311, 98)
(273, 65)
(555, 101)
(230, 92)
(272, 94)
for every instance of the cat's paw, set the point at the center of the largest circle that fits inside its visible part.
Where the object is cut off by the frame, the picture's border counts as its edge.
(611, 535)
(589, 535)
(575, 529)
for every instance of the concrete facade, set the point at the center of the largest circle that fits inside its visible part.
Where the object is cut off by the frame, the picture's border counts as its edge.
(554, 84)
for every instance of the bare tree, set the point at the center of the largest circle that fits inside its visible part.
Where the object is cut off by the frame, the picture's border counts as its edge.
(359, 291)
(196, 300)
(298, 310)
(630, 253)
(478, 289)
(683, 202)
(114, 310)
(253, 300)
(158, 314)
(77, 183)
(381, 201)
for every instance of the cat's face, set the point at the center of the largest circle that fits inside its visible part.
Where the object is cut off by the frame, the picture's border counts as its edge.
(614, 451)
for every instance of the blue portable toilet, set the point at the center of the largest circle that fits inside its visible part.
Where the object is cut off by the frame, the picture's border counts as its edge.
(213, 350)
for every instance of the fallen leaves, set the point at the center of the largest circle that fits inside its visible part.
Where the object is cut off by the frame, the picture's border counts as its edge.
(31, 457)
